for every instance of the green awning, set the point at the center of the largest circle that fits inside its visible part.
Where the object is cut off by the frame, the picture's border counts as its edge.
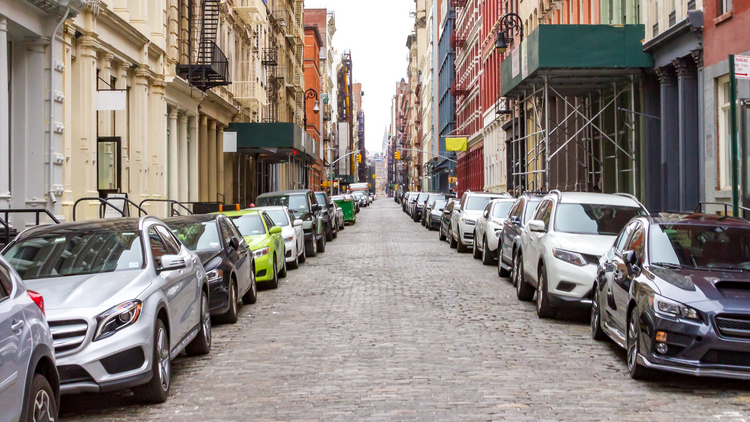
(274, 139)
(583, 58)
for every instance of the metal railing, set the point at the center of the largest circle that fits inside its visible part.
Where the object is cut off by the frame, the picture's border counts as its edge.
(103, 204)
(172, 211)
(6, 225)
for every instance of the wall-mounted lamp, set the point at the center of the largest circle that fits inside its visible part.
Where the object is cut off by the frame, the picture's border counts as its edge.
(509, 23)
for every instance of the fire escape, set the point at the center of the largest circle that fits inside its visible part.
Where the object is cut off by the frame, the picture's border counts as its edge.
(211, 67)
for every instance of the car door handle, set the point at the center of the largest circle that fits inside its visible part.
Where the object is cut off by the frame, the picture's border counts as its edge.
(17, 325)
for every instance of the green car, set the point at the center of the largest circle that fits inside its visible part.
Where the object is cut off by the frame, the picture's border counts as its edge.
(265, 242)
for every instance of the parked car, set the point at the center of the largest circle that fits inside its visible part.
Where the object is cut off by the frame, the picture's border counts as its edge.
(418, 205)
(225, 257)
(412, 203)
(291, 232)
(672, 292)
(330, 227)
(429, 203)
(266, 243)
(305, 207)
(29, 383)
(562, 243)
(339, 212)
(123, 297)
(434, 212)
(510, 240)
(488, 229)
(445, 221)
(465, 215)
(405, 201)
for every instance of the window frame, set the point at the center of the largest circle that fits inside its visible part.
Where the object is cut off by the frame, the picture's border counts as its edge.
(157, 265)
(169, 238)
(723, 122)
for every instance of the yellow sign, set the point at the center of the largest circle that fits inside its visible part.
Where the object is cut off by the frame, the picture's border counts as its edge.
(374, 176)
(326, 184)
(452, 179)
(455, 144)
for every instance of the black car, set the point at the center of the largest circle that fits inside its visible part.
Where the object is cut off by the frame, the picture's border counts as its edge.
(445, 219)
(305, 207)
(429, 204)
(329, 216)
(518, 216)
(675, 292)
(225, 257)
(434, 213)
(418, 206)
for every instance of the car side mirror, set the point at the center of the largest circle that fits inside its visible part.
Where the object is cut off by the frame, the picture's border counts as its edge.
(298, 223)
(631, 261)
(456, 208)
(537, 226)
(317, 207)
(515, 219)
(486, 213)
(235, 243)
(171, 263)
(330, 204)
(275, 230)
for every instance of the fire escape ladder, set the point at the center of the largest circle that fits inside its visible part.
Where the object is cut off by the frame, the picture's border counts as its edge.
(211, 66)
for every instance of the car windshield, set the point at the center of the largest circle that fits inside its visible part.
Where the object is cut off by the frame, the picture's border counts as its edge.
(249, 224)
(296, 203)
(198, 236)
(593, 218)
(279, 217)
(439, 204)
(422, 197)
(501, 209)
(87, 251)
(695, 245)
(477, 203)
(321, 197)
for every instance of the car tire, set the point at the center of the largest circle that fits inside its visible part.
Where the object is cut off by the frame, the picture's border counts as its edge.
(201, 344)
(441, 235)
(501, 272)
(487, 258)
(230, 316)
(596, 317)
(311, 248)
(543, 307)
(524, 290)
(453, 242)
(460, 247)
(274, 283)
(322, 244)
(335, 232)
(252, 294)
(637, 371)
(294, 264)
(475, 253)
(41, 402)
(157, 390)
(329, 233)
(283, 272)
(303, 255)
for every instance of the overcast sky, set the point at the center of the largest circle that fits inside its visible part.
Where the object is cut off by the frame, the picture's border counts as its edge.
(375, 32)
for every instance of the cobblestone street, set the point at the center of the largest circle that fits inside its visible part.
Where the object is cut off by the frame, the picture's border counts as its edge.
(391, 324)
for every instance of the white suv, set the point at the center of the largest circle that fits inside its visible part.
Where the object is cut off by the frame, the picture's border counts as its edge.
(562, 244)
(465, 215)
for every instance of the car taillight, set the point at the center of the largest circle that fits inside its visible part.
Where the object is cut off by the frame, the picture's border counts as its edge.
(38, 299)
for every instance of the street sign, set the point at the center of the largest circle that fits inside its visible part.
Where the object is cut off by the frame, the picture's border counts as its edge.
(742, 67)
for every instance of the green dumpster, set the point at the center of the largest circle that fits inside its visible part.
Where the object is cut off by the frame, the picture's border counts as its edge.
(348, 206)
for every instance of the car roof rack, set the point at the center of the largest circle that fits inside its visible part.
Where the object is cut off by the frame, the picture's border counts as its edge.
(103, 204)
(5, 240)
(172, 211)
(631, 196)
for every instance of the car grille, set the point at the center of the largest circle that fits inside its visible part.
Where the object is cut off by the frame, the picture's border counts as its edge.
(70, 374)
(68, 335)
(725, 357)
(591, 259)
(734, 325)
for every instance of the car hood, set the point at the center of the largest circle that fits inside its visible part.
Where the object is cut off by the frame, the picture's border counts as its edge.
(470, 214)
(257, 241)
(287, 231)
(90, 291)
(707, 290)
(206, 256)
(589, 244)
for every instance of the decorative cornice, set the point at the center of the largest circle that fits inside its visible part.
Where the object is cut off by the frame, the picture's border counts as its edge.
(665, 74)
(683, 67)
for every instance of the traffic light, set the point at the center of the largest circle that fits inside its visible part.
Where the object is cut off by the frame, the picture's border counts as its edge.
(374, 176)
(359, 158)
(398, 155)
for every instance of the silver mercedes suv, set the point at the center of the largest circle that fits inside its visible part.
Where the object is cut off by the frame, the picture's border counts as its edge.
(123, 298)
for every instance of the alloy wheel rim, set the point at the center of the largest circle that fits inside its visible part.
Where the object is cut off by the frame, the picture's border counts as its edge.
(595, 311)
(517, 278)
(632, 340)
(207, 318)
(539, 292)
(42, 406)
(163, 349)
(233, 297)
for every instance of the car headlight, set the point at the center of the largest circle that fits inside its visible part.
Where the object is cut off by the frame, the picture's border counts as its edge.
(262, 251)
(214, 275)
(468, 221)
(569, 257)
(288, 239)
(663, 305)
(117, 318)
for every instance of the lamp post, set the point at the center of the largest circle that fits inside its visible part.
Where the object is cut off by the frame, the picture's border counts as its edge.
(309, 94)
(509, 23)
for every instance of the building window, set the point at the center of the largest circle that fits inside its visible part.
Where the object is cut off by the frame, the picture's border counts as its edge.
(725, 6)
(724, 119)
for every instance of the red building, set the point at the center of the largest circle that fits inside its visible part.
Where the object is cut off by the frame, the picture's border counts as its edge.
(313, 43)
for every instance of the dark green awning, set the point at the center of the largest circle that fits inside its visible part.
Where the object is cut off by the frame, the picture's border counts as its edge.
(580, 57)
(274, 139)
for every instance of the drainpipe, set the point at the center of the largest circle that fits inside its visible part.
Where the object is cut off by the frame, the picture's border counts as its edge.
(52, 104)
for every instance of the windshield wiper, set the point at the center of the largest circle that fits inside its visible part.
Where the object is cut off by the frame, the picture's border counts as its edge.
(723, 268)
(670, 265)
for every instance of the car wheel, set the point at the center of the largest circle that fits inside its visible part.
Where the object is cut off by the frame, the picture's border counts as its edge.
(441, 235)
(336, 232)
(274, 284)
(322, 244)
(252, 295)
(201, 344)
(543, 307)
(596, 318)
(487, 258)
(460, 247)
(230, 316)
(453, 242)
(329, 233)
(502, 272)
(475, 253)
(311, 248)
(41, 401)
(283, 272)
(157, 390)
(294, 264)
(524, 290)
(303, 255)
(637, 371)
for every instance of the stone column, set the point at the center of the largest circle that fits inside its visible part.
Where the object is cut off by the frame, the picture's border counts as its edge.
(67, 118)
(193, 166)
(158, 187)
(31, 171)
(669, 140)
(83, 158)
(121, 128)
(182, 171)
(220, 161)
(203, 159)
(688, 110)
(212, 185)
(139, 138)
(4, 117)
(173, 174)
(105, 117)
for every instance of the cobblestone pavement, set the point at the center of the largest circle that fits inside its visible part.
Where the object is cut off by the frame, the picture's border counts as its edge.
(391, 324)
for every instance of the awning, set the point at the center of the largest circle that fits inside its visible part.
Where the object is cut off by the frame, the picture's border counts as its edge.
(575, 58)
(275, 140)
